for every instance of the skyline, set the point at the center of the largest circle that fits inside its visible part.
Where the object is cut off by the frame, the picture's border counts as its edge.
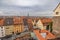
(33, 7)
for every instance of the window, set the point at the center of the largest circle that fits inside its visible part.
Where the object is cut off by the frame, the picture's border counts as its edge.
(2, 35)
(12, 32)
(1, 27)
(8, 22)
(1, 30)
(57, 13)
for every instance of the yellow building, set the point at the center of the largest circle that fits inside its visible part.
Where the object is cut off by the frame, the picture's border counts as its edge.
(8, 29)
(18, 28)
(18, 25)
(8, 25)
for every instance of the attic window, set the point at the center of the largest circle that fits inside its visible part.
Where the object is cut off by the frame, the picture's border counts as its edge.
(57, 13)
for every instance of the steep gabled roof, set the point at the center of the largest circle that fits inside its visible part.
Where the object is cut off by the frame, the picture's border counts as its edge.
(56, 7)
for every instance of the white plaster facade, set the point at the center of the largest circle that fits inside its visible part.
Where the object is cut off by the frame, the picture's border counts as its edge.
(39, 24)
(2, 31)
(57, 9)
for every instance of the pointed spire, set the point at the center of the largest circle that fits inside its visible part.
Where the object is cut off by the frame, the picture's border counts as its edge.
(28, 14)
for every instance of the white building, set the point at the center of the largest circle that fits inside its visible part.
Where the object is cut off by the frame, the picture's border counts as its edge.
(2, 32)
(39, 24)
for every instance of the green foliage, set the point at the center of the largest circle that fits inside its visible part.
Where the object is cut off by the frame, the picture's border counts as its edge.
(51, 24)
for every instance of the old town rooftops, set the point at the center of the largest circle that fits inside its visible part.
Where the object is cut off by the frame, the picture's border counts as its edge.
(8, 21)
(45, 21)
(18, 20)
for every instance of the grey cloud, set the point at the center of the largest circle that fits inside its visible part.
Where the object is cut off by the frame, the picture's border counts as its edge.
(43, 9)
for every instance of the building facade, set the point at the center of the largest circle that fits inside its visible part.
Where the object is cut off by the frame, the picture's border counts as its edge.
(8, 30)
(8, 25)
(56, 19)
(18, 25)
(39, 24)
(30, 24)
(2, 29)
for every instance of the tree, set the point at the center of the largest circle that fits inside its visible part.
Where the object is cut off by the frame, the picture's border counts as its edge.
(51, 24)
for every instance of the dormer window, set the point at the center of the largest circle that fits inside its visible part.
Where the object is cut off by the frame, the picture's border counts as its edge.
(57, 13)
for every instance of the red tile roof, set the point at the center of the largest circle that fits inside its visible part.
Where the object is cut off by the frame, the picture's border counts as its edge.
(29, 20)
(17, 20)
(46, 21)
(1, 22)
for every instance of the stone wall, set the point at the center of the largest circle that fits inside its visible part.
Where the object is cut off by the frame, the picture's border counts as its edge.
(56, 24)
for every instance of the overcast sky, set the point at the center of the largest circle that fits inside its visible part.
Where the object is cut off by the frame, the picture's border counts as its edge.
(23, 7)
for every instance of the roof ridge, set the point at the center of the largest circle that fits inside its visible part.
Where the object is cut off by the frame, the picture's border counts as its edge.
(56, 6)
